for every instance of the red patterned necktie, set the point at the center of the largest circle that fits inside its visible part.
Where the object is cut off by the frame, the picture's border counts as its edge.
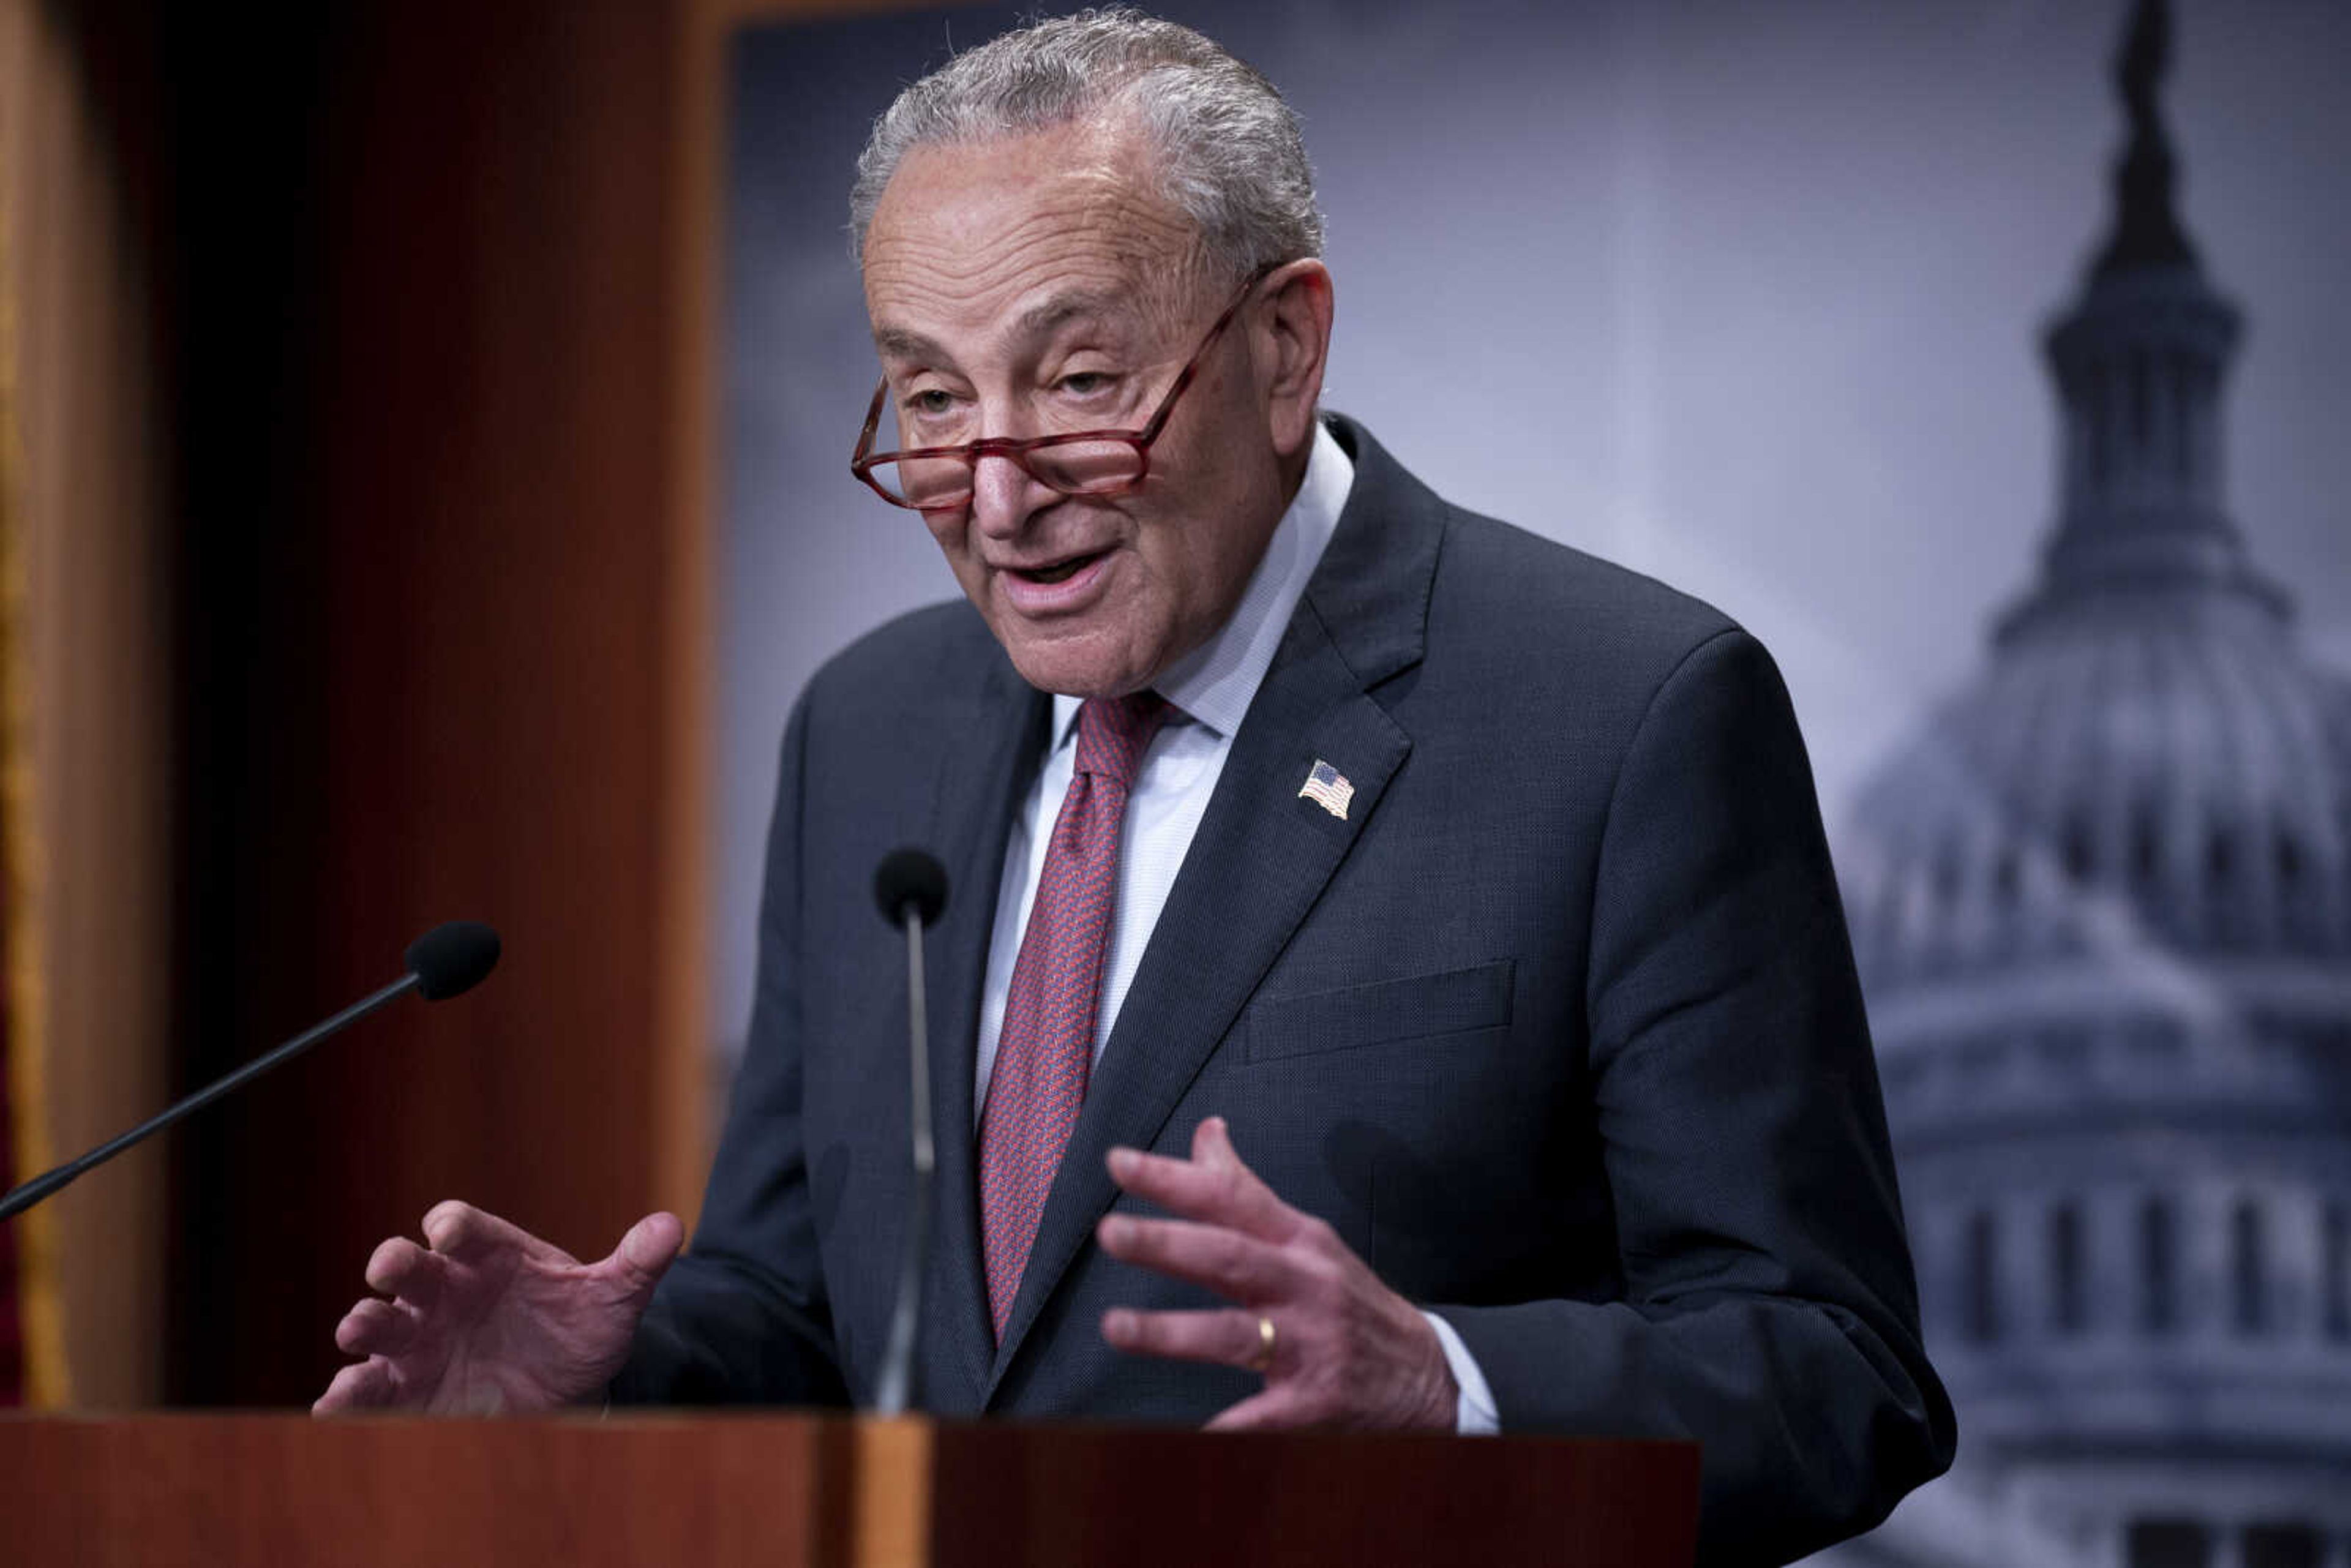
(1046, 1048)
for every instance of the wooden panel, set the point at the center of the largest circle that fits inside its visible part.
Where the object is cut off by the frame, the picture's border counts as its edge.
(91, 786)
(287, 1493)
(824, 1490)
(889, 1513)
(1033, 1495)
(425, 311)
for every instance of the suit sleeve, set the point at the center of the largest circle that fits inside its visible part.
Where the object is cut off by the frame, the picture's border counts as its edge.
(1769, 1310)
(743, 1316)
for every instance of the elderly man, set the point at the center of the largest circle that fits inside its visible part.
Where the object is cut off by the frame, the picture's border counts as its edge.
(1395, 977)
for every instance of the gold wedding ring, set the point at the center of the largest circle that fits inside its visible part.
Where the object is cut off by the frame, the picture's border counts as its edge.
(1262, 1361)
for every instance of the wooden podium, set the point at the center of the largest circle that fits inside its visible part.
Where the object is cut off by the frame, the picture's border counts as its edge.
(782, 1491)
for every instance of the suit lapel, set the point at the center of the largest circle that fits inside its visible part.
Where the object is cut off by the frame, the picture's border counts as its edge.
(1262, 854)
(984, 771)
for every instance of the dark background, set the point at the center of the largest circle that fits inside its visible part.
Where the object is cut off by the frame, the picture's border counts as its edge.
(411, 271)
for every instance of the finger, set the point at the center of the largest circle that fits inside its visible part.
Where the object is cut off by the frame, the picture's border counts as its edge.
(646, 1252)
(374, 1327)
(400, 1267)
(1212, 1144)
(1238, 1267)
(1220, 1191)
(1278, 1407)
(1219, 1334)
(466, 1234)
(362, 1385)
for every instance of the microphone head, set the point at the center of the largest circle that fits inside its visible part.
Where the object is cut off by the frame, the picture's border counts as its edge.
(451, 959)
(910, 875)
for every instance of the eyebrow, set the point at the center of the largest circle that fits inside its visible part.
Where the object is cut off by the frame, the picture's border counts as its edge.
(1045, 316)
(903, 343)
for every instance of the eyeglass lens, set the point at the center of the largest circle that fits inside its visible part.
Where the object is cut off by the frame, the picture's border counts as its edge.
(1074, 468)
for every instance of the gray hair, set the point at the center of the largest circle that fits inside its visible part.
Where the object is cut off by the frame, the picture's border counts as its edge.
(1230, 155)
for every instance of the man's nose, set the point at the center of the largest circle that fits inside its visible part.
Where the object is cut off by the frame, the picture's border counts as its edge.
(1003, 496)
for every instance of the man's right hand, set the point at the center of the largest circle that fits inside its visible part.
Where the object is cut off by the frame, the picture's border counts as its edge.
(493, 1321)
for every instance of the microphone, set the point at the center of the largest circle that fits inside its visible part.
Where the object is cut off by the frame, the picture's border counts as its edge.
(446, 961)
(911, 889)
(450, 959)
(910, 876)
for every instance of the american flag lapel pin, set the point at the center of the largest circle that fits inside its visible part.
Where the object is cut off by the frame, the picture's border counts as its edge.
(1327, 787)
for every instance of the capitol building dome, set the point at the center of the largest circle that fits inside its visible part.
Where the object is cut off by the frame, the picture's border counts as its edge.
(2102, 907)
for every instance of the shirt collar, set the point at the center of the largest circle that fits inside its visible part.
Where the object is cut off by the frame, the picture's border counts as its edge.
(1214, 682)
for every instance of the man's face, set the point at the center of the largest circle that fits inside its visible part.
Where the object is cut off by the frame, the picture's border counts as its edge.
(1036, 285)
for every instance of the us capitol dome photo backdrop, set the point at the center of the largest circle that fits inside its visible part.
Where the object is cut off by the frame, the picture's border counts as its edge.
(2101, 909)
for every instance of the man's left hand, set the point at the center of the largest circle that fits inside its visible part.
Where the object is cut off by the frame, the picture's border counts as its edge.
(1346, 1350)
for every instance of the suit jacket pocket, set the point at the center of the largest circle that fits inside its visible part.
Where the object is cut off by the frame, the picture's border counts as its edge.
(1454, 1002)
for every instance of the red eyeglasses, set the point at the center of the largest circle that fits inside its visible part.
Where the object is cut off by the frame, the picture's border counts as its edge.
(1082, 463)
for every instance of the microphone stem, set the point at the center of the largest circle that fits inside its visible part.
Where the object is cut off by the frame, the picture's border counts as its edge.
(894, 1390)
(918, 1037)
(41, 1186)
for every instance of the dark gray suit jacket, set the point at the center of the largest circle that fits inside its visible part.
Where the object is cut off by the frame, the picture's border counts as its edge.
(1558, 1028)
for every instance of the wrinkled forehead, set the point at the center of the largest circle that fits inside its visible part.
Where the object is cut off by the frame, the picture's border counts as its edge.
(1014, 236)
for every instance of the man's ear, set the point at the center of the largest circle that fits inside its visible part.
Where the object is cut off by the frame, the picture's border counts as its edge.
(1292, 340)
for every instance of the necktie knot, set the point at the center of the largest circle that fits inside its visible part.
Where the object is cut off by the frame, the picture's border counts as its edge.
(1113, 733)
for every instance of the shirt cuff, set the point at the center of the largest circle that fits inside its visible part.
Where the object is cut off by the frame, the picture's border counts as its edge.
(1473, 1413)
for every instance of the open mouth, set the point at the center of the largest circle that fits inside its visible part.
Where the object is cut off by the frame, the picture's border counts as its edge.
(1061, 570)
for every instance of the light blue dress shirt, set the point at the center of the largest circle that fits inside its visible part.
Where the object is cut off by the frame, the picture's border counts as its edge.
(1210, 688)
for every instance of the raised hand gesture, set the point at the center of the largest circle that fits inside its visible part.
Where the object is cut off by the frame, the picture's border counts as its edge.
(492, 1321)
(1335, 1346)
